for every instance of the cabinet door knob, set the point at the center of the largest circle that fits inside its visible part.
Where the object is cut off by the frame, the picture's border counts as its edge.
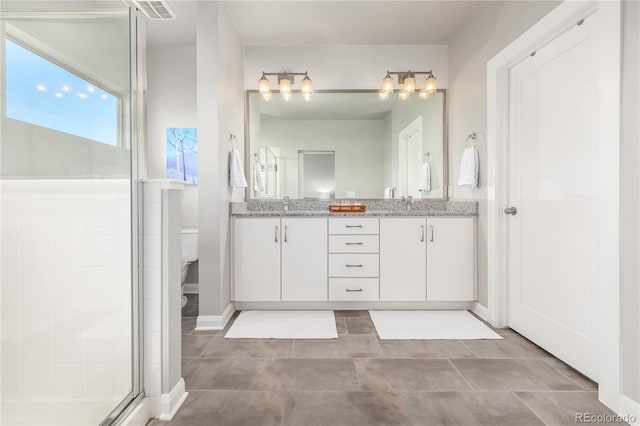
(511, 210)
(276, 234)
(353, 244)
(353, 266)
(431, 231)
(349, 290)
(354, 226)
(422, 233)
(286, 228)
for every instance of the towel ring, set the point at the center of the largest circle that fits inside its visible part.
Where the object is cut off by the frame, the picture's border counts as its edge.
(473, 137)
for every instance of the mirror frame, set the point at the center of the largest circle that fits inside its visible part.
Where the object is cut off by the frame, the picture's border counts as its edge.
(445, 144)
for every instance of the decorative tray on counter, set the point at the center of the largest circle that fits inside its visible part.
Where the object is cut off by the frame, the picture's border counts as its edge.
(347, 208)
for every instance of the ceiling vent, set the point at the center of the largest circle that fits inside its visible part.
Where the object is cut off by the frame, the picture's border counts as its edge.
(158, 10)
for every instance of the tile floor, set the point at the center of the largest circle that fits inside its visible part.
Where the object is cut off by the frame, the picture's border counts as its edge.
(360, 380)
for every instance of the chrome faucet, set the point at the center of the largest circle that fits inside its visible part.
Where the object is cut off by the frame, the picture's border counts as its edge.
(285, 203)
(409, 202)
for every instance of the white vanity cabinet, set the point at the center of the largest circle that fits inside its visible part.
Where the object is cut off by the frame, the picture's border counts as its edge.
(280, 259)
(256, 259)
(451, 258)
(304, 259)
(403, 259)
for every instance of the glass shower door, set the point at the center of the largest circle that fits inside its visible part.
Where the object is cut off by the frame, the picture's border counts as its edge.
(69, 277)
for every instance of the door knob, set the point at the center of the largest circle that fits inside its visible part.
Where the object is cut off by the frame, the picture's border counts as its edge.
(511, 210)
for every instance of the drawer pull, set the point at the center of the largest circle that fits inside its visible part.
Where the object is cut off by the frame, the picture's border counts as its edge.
(349, 290)
(353, 244)
(353, 266)
(277, 229)
(354, 226)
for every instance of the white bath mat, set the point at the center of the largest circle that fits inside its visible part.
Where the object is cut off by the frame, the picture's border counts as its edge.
(432, 324)
(284, 325)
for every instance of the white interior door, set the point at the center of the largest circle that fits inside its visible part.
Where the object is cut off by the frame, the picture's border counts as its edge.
(553, 183)
(410, 157)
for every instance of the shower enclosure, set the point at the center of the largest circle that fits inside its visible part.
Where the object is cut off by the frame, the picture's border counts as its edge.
(68, 201)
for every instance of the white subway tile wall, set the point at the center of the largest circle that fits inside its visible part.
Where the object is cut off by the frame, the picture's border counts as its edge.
(66, 297)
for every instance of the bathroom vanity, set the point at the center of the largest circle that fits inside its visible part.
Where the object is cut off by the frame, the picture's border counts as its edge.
(388, 256)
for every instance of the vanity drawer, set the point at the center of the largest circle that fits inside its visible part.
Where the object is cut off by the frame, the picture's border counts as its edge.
(354, 265)
(354, 244)
(358, 289)
(353, 226)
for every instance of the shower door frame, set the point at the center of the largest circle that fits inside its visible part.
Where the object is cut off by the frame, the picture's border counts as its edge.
(135, 109)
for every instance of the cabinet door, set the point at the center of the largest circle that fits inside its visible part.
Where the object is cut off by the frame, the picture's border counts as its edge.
(304, 259)
(451, 259)
(403, 259)
(256, 259)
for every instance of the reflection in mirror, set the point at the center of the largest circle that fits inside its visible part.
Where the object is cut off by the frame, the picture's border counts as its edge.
(346, 145)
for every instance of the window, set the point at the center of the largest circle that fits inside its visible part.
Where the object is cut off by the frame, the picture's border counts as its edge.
(44, 94)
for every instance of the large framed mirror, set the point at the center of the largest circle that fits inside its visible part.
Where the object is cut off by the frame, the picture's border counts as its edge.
(346, 144)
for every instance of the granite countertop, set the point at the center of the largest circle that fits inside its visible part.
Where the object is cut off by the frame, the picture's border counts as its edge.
(375, 208)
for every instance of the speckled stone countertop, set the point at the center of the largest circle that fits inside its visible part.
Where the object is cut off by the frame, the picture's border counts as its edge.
(375, 208)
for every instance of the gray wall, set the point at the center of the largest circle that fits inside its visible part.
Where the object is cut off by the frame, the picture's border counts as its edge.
(630, 201)
(494, 26)
(220, 104)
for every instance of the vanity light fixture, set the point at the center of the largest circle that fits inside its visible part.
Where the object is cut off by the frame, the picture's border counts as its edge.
(407, 82)
(285, 81)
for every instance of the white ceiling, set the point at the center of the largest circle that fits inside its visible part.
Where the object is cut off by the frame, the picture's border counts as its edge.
(326, 22)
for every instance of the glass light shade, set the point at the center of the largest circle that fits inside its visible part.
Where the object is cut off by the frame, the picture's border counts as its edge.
(424, 95)
(409, 85)
(387, 84)
(286, 96)
(263, 85)
(404, 95)
(307, 87)
(266, 96)
(431, 84)
(285, 86)
(306, 96)
(382, 95)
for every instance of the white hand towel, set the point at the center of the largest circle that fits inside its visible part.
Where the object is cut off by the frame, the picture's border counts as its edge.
(387, 193)
(236, 172)
(424, 184)
(258, 187)
(469, 168)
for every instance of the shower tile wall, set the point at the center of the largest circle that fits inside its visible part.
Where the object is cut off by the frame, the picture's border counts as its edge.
(65, 261)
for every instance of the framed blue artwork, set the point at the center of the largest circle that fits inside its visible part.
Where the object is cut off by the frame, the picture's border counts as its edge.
(182, 154)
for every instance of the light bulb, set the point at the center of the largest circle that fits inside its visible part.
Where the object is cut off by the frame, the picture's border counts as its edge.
(404, 95)
(266, 96)
(431, 84)
(306, 96)
(285, 86)
(409, 85)
(424, 95)
(263, 85)
(382, 95)
(307, 87)
(286, 96)
(387, 84)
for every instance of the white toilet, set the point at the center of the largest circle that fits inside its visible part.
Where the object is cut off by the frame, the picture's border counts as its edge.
(189, 237)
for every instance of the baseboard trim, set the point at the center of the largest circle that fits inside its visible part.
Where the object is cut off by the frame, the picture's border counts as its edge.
(215, 322)
(191, 288)
(480, 310)
(629, 410)
(351, 305)
(171, 402)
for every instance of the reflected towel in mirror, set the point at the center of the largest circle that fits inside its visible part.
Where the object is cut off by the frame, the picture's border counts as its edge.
(424, 184)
